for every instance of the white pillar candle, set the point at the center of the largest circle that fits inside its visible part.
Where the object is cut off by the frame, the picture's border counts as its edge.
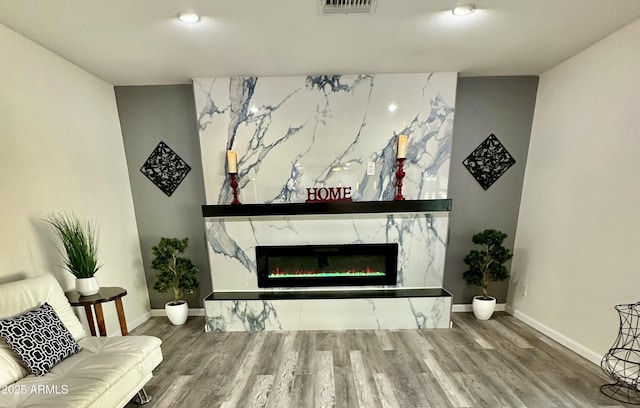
(402, 146)
(232, 162)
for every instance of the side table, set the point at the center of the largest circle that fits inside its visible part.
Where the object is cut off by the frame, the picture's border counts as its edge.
(106, 294)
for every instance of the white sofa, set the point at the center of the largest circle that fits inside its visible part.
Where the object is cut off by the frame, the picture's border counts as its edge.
(106, 373)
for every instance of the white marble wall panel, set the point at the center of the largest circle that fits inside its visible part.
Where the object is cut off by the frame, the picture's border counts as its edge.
(328, 314)
(292, 133)
(421, 249)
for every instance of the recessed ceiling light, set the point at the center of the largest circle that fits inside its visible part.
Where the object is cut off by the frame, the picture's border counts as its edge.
(254, 109)
(392, 107)
(188, 17)
(464, 10)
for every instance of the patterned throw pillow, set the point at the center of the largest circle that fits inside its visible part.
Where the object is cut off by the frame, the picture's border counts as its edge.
(39, 338)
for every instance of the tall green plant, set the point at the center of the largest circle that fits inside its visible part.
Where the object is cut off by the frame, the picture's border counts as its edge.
(80, 244)
(173, 271)
(487, 264)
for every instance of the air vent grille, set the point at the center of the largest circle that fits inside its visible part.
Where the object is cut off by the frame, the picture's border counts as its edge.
(347, 6)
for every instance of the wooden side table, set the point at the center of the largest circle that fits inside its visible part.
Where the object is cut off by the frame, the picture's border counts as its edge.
(106, 294)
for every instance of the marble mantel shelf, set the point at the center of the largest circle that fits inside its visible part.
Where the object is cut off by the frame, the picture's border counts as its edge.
(362, 207)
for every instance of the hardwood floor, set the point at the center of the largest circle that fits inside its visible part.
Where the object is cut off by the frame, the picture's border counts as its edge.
(498, 363)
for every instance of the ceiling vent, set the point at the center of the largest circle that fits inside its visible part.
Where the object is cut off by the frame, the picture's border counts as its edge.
(347, 6)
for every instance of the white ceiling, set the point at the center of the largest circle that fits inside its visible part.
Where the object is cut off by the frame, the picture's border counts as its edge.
(139, 42)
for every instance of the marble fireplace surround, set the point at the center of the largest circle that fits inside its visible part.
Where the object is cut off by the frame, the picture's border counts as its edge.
(293, 133)
(330, 308)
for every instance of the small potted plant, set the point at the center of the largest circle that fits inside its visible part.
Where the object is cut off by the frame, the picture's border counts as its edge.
(485, 266)
(80, 245)
(174, 273)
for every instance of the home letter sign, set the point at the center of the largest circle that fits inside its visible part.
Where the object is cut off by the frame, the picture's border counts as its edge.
(320, 194)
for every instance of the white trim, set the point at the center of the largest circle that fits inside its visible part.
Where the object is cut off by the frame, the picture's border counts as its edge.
(162, 313)
(139, 321)
(130, 326)
(500, 307)
(572, 345)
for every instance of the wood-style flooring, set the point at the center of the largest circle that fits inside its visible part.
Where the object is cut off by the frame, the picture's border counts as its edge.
(497, 363)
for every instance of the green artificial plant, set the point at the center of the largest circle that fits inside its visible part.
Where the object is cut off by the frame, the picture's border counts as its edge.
(80, 244)
(487, 265)
(173, 271)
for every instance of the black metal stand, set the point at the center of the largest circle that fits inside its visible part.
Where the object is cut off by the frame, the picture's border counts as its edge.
(622, 361)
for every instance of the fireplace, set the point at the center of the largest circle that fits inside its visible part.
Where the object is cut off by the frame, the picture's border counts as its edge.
(327, 265)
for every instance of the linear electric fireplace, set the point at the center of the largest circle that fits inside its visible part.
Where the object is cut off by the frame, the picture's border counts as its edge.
(327, 265)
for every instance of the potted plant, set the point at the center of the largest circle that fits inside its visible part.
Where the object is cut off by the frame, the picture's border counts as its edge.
(485, 266)
(174, 273)
(80, 245)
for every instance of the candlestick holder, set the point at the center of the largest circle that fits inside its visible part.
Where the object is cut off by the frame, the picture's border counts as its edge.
(399, 176)
(234, 187)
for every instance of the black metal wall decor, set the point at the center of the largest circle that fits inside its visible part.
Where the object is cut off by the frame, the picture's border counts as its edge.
(622, 361)
(488, 161)
(165, 168)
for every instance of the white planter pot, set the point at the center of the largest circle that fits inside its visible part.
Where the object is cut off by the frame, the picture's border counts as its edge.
(483, 308)
(177, 314)
(87, 286)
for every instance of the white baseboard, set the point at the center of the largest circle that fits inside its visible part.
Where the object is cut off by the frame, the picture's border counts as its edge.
(130, 325)
(148, 315)
(500, 307)
(139, 321)
(557, 336)
(192, 312)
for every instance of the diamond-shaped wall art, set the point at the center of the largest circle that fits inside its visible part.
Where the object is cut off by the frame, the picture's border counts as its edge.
(165, 168)
(488, 161)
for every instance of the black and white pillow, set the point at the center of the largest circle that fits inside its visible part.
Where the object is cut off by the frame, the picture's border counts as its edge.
(40, 338)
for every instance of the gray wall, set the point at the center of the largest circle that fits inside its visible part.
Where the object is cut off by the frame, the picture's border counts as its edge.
(484, 105)
(149, 114)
